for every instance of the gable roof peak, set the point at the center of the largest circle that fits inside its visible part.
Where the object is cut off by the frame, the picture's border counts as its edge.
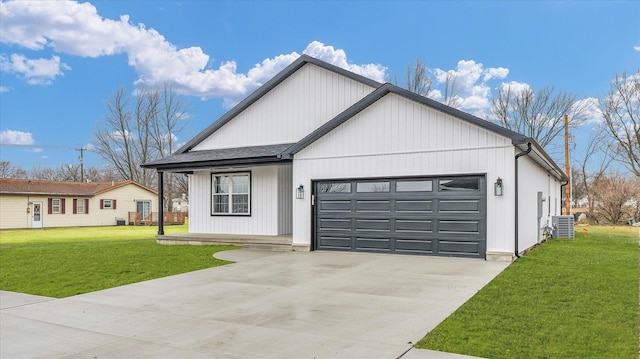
(268, 86)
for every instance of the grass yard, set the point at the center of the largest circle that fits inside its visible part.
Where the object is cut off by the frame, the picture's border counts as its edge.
(565, 299)
(61, 262)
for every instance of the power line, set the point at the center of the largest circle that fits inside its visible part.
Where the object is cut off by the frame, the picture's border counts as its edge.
(41, 146)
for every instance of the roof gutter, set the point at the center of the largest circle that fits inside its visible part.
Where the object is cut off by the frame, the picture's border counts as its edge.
(516, 229)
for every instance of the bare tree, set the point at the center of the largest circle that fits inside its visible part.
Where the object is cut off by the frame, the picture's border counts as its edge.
(9, 170)
(418, 79)
(70, 173)
(181, 184)
(450, 96)
(171, 120)
(45, 174)
(621, 112)
(614, 196)
(591, 167)
(538, 115)
(578, 188)
(130, 137)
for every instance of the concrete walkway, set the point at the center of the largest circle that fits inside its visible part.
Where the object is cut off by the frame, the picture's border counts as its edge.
(267, 305)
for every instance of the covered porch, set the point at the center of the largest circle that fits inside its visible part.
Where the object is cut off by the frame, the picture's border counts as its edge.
(263, 218)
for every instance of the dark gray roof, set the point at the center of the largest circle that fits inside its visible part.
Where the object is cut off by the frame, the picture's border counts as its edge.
(268, 86)
(185, 159)
(250, 156)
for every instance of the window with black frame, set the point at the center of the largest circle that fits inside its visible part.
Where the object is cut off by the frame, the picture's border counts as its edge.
(231, 193)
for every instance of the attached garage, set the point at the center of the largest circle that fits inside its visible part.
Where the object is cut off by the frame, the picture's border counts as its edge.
(425, 215)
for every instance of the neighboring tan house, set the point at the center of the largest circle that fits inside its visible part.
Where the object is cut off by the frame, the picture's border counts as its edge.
(333, 160)
(46, 204)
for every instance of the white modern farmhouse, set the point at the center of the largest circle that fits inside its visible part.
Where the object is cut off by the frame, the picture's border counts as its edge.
(325, 159)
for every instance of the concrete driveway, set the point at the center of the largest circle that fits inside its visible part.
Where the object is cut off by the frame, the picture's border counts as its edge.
(266, 305)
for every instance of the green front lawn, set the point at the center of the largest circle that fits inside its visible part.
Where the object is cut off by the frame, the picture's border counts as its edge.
(565, 299)
(62, 262)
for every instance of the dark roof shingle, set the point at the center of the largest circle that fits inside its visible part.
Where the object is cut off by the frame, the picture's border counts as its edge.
(222, 157)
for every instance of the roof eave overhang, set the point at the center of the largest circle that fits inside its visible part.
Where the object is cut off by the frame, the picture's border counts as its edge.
(61, 194)
(226, 163)
(540, 156)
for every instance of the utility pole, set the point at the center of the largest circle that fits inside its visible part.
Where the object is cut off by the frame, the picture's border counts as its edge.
(567, 188)
(81, 149)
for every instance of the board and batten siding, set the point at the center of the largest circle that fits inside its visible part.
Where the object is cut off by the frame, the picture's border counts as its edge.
(296, 107)
(398, 137)
(270, 203)
(285, 199)
(533, 180)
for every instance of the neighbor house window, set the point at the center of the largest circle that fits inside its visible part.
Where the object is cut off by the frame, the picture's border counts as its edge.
(107, 204)
(81, 206)
(230, 193)
(56, 205)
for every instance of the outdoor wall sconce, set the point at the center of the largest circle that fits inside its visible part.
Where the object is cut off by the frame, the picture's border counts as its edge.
(497, 187)
(300, 192)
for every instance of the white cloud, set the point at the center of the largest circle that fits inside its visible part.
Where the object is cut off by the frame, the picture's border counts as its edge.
(35, 71)
(10, 137)
(4, 89)
(499, 72)
(72, 28)
(515, 86)
(338, 57)
(589, 109)
(637, 48)
(473, 92)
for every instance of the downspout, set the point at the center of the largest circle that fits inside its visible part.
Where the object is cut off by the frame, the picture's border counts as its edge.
(516, 230)
(561, 192)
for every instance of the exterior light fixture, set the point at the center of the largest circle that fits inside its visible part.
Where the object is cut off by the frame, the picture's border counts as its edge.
(300, 192)
(497, 187)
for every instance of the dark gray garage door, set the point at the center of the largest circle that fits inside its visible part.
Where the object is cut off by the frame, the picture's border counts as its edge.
(443, 216)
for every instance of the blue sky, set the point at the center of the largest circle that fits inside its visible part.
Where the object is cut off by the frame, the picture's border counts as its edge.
(60, 61)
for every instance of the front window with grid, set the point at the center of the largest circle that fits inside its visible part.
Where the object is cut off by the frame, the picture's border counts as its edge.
(231, 193)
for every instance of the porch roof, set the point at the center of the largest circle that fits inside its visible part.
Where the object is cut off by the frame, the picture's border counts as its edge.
(225, 157)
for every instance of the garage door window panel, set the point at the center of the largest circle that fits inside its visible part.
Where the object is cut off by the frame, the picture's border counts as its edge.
(465, 184)
(372, 187)
(414, 186)
(337, 187)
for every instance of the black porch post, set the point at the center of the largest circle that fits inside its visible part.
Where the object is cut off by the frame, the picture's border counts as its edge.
(160, 203)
